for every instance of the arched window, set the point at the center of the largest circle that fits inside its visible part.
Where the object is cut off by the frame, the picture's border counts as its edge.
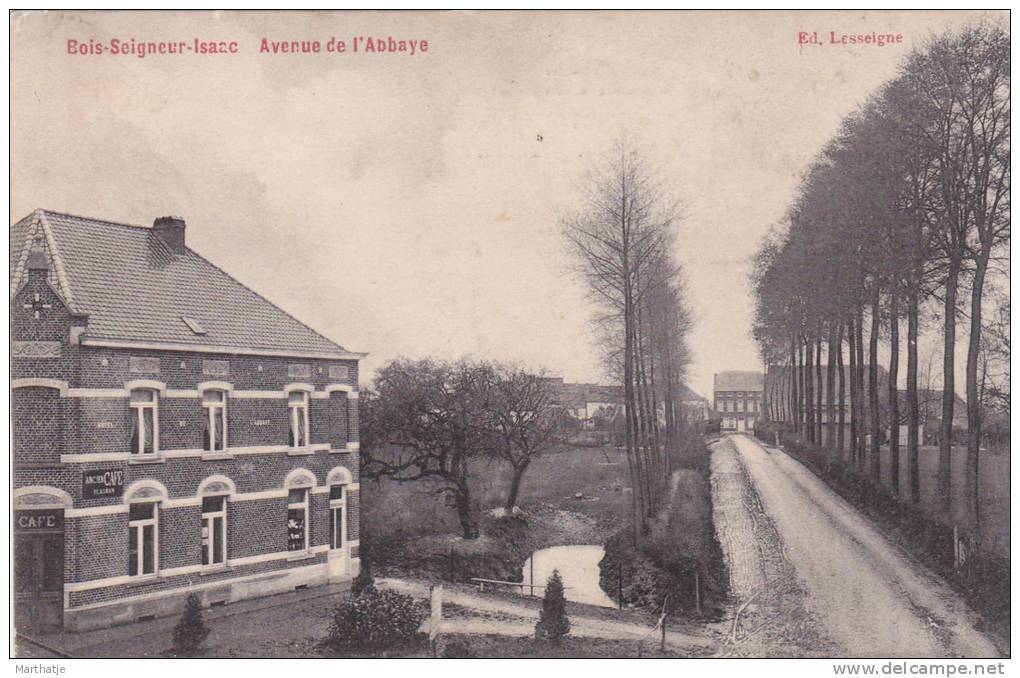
(214, 427)
(338, 480)
(299, 484)
(215, 492)
(144, 421)
(143, 498)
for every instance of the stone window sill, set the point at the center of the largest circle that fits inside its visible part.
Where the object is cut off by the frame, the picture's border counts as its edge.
(154, 459)
(214, 569)
(300, 451)
(340, 450)
(216, 456)
(144, 580)
(300, 555)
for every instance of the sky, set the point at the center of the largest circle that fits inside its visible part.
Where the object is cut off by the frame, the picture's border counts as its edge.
(408, 205)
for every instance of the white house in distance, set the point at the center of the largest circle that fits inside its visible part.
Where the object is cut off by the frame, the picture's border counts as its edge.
(738, 399)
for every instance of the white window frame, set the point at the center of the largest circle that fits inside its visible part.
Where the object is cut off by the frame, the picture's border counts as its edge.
(139, 538)
(208, 522)
(306, 506)
(216, 415)
(338, 506)
(138, 412)
(298, 414)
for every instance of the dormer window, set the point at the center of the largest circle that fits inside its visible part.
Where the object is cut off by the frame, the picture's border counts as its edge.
(297, 403)
(144, 422)
(193, 325)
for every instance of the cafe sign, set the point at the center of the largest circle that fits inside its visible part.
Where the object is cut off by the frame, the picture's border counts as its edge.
(32, 520)
(100, 483)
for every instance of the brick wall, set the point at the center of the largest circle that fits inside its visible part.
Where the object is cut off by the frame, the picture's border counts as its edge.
(112, 593)
(46, 425)
(38, 436)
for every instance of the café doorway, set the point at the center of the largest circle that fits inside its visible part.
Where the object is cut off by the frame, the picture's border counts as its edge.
(38, 569)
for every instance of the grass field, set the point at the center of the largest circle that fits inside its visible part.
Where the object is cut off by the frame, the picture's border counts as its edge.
(410, 528)
(552, 481)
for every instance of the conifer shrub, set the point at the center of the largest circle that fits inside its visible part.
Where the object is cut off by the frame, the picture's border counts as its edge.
(553, 623)
(191, 631)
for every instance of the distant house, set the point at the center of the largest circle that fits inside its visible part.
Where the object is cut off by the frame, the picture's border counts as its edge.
(929, 407)
(693, 407)
(599, 407)
(738, 399)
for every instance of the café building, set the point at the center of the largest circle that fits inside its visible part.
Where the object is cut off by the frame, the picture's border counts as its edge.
(173, 431)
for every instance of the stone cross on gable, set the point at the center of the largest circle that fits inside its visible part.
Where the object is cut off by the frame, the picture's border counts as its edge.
(36, 305)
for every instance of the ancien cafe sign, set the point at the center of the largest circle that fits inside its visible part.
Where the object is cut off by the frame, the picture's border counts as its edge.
(31, 520)
(102, 483)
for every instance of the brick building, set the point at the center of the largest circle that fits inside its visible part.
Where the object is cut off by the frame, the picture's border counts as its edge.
(173, 431)
(738, 399)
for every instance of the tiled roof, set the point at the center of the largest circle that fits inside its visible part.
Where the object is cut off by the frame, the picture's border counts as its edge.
(134, 289)
(688, 394)
(739, 381)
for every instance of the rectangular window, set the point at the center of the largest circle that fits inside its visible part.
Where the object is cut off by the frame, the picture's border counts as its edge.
(298, 405)
(214, 434)
(144, 421)
(214, 530)
(740, 406)
(297, 520)
(143, 539)
(337, 516)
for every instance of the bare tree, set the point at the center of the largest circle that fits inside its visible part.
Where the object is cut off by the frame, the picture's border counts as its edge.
(423, 423)
(622, 240)
(521, 413)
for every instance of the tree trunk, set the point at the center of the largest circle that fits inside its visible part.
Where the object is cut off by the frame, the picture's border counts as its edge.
(874, 419)
(973, 396)
(818, 387)
(515, 487)
(468, 524)
(861, 409)
(830, 383)
(637, 491)
(948, 389)
(913, 414)
(840, 395)
(794, 390)
(894, 395)
(809, 400)
(854, 397)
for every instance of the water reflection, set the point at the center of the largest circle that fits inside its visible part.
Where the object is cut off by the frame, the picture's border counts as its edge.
(579, 569)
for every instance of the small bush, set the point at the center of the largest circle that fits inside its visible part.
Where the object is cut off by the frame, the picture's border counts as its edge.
(374, 619)
(458, 648)
(553, 623)
(191, 631)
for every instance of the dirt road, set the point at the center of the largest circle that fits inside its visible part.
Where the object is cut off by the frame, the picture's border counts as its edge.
(872, 598)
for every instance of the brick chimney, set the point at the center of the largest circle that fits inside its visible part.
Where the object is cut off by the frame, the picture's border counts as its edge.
(171, 231)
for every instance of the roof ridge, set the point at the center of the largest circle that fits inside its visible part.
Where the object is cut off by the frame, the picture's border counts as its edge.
(276, 306)
(93, 219)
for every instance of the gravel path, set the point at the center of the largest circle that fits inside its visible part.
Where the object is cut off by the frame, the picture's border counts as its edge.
(768, 616)
(873, 599)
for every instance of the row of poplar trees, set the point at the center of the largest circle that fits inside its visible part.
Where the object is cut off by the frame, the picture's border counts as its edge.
(902, 216)
(623, 240)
